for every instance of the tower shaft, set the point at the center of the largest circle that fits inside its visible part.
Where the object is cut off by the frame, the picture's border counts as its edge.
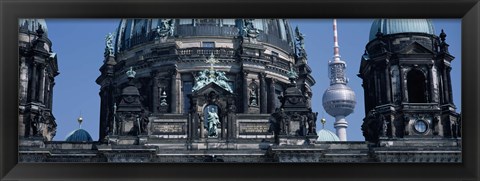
(338, 99)
(341, 126)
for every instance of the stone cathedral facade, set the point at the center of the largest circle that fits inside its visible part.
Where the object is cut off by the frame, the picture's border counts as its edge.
(239, 90)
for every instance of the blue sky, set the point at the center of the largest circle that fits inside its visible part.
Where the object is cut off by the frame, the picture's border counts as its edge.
(80, 43)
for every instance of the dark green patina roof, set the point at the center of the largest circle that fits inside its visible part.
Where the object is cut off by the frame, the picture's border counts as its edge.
(79, 135)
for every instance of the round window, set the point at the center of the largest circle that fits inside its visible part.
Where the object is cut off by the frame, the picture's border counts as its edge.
(420, 126)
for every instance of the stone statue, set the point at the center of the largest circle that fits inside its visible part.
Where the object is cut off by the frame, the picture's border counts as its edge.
(217, 77)
(144, 121)
(384, 126)
(221, 76)
(200, 80)
(253, 97)
(283, 118)
(292, 74)
(249, 30)
(311, 120)
(109, 45)
(166, 28)
(301, 42)
(214, 76)
(212, 121)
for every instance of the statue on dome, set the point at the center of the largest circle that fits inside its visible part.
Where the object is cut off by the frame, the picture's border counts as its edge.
(109, 45)
(301, 42)
(165, 28)
(249, 30)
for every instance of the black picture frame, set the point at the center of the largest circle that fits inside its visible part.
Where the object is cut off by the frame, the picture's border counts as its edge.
(468, 10)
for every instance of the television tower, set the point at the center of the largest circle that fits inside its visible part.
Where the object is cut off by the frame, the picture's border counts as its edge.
(338, 99)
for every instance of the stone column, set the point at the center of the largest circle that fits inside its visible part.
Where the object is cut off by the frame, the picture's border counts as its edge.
(23, 81)
(173, 94)
(449, 84)
(245, 92)
(445, 85)
(52, 84)
(403, 84)
(41, 90)
(271, 96)
(195, 124)
(223, 126)
(377, 86)
(189, 126)
(202, 126)
(46, 91)
(388, 84)
(435, 84)
(103, 113)
(33, 82)
(431, 82)
(263, 93)
(231, 125)
(155, 93)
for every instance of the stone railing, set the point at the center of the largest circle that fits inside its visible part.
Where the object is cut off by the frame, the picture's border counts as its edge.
(206, 51)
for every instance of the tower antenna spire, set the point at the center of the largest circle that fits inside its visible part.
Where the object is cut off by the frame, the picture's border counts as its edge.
(336, 49)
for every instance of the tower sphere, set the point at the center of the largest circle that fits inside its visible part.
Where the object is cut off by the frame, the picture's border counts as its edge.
(339, 100)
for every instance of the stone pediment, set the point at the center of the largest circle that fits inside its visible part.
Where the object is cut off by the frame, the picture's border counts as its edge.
(212, 86)
(415, 48)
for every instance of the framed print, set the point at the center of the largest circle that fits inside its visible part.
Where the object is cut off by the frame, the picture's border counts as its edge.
(160, 88)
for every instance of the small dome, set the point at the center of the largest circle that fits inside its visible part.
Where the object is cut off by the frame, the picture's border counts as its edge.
(393, 26)
(79, 135)
(32, 25)
(326, 135)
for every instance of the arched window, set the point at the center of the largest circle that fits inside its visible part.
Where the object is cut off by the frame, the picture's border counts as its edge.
(416, 87)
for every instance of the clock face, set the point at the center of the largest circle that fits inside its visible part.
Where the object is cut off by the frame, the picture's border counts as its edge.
(420, 126)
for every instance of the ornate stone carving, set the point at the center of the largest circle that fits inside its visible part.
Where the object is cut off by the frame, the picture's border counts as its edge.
(250, 31)
(109, 45)
(206, 77)
(165, 28)
(253, 93)
(213, 121)
(301, 43)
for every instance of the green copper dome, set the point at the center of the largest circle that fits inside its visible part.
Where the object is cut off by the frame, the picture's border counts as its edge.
(326, 135)
(393, 26)
(79, 135)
